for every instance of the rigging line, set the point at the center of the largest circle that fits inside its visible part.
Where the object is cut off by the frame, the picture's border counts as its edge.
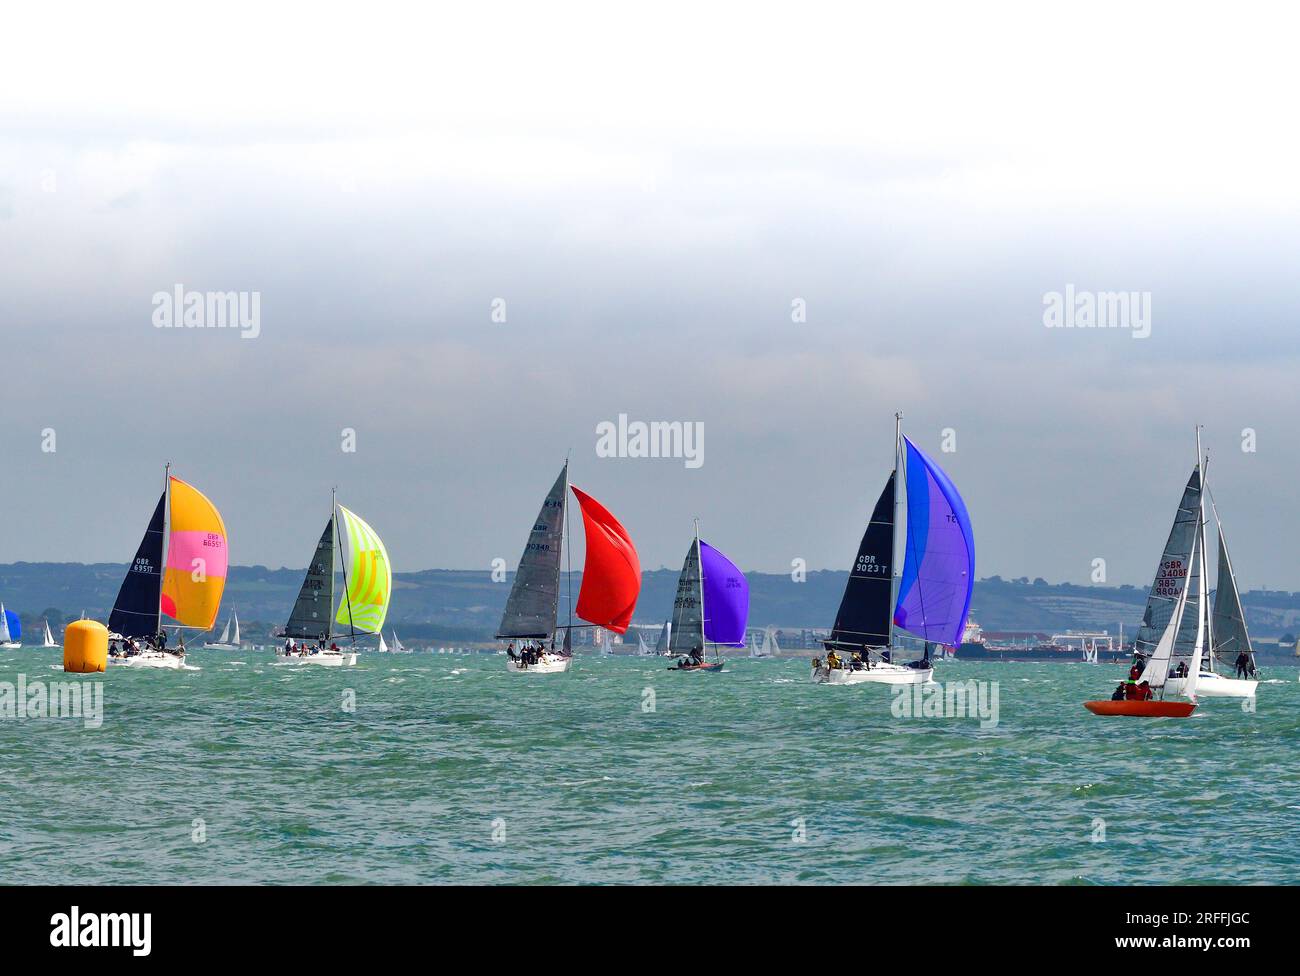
(568, 576)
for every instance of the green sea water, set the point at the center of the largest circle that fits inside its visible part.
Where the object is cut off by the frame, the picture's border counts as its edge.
(449, 769)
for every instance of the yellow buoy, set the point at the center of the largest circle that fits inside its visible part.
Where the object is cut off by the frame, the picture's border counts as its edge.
(85, 646)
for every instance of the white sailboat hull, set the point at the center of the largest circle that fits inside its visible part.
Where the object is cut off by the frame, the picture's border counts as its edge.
(150, 659)
(548, 665)
(882, 673)
(1214, 686)
(326, 659)
(218, 646)
(10, 646)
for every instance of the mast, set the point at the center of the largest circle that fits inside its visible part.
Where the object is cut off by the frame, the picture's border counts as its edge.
(1203, 591)
(699, 562)
(893, 542)
(568, 576)
(334, 521)
(167, 507)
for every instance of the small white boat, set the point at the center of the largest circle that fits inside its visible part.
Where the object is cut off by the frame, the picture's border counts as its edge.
(612, 569)
(769, 646)
(153, 587)
(10, 630)
(549, 664)
(49, 637)
(880, 673)
(364, 604)
(1221, 624)
(711, 608)
(227, 642)
(930, 600)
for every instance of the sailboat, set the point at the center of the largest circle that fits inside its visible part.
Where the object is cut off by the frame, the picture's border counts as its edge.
(228, 642)
(642, 648)
(398, 647)
(611, 582)
(712, 607)
(11, 630)
(383, 646)
(187, 587)
(769, 647)
(1156, 674)
(1225, 623)
(930, 600)
(663, 646)
(49, 636)
(366, 592)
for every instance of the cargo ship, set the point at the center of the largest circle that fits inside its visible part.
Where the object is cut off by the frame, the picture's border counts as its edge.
(1073, 646)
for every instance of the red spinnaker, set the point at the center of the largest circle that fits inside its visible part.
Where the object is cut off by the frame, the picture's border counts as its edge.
(611, 578)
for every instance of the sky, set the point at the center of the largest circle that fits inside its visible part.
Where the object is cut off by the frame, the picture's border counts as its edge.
(781, 223)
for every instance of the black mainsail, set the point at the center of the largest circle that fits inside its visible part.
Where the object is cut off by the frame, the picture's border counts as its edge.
(136, 610)
(313, 610)
(866, 609)
(534, 598)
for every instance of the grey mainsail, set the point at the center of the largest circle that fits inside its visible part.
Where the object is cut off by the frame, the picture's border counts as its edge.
(665, 639)
(687, 631)
(535, 596)
(313, 610)
(1230, 635)
(1172, 577)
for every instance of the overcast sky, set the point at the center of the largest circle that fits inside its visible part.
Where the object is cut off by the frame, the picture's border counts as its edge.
(648, 192)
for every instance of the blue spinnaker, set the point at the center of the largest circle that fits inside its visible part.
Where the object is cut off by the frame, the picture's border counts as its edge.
(939, 565)
(726, 598)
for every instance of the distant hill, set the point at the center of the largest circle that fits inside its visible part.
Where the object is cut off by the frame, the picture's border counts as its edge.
(467, 604)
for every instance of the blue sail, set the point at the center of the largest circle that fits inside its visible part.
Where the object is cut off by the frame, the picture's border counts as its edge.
(939, 565)
(15, 626)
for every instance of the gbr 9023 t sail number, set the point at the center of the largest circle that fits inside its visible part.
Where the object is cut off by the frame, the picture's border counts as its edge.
(867, 565)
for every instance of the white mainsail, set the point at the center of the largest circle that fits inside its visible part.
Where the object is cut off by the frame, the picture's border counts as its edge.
(235, 638)
(1194, 668)
(383, 647)
(49, 637)
(4, 626)
(225, 634)
(641, 646)
(397, 645)
(1157, 668)
(768, 648)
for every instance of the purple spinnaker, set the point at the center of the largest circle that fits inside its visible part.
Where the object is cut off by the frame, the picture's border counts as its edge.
(726, 598)
(939, 569)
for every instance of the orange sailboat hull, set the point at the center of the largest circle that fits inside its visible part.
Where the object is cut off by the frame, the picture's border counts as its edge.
(1142, 709)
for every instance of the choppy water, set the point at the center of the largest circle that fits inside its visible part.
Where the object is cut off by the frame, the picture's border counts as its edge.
(588, 786)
